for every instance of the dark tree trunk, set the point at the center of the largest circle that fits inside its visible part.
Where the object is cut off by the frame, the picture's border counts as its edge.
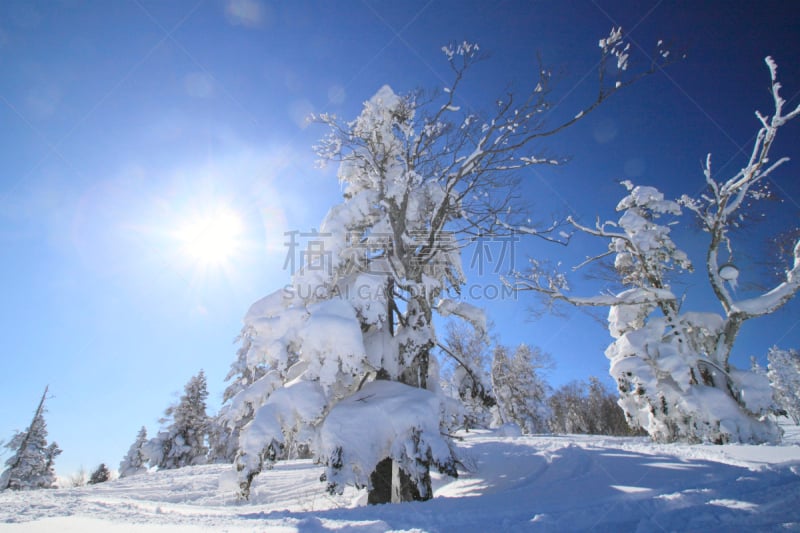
(381, 480)
(391, 484)
(405, 490)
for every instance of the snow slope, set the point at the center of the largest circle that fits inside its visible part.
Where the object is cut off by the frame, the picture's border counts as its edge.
(528, 483)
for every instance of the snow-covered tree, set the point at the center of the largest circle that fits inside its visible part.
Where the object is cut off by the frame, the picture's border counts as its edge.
(135, 461)
(238, 409)
(783, 373)
(31, 464)
(520, 388)
(354, 331)
(184, 440)
(100, 475)
(466, 376)
(222, 441)
(226, 427)
(673, 367)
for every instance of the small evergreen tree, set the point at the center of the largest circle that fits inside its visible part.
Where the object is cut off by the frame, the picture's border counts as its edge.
(238, 407)
(184, 441)
(520, 389)
(101, 475)
(783, 372)
(31, 465)
(135, 460)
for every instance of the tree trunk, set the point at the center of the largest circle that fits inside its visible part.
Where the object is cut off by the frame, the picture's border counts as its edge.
(381, 481)
(391, 484)
(405, 490)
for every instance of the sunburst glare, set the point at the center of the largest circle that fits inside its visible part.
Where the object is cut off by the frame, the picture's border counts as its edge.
(213, 238)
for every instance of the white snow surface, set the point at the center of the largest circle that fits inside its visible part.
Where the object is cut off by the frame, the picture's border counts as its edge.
(514, 483)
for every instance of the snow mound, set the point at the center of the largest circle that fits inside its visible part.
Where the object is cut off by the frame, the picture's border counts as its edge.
(403, 426)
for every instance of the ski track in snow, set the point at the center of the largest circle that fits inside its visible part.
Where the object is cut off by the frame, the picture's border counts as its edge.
(528, 483)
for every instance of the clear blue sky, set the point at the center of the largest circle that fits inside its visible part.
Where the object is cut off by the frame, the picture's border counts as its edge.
(124, 122)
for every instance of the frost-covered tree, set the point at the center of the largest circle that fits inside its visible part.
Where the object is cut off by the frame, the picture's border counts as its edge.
(100, 475)
(672, 366)
(587, 408)
(135, 461)
(783, 373)
(466, 376)
(226, 427)
(183, 442)
(79, 478)
(353, 333)
(222, 440)
(520, 388)
(31, 464)
(606, 416)
(568, 409)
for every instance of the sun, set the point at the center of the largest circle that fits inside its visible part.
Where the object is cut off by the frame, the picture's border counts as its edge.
(212, 238)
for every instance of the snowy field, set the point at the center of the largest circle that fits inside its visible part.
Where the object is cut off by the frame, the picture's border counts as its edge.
(529, 483)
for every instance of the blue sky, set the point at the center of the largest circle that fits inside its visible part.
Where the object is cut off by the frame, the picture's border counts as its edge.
(124, 122)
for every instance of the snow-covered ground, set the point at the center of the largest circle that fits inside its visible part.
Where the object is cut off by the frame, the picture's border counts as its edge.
(529, 483)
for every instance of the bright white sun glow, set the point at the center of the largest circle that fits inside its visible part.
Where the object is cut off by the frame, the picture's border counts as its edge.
(213, 238)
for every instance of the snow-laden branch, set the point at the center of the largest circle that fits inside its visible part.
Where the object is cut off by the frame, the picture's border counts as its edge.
(553, 285)
(552, 233)
(719, 210)
(774, 299)
(599, 229)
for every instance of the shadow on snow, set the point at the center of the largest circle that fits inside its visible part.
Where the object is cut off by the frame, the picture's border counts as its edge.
(520, 486)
